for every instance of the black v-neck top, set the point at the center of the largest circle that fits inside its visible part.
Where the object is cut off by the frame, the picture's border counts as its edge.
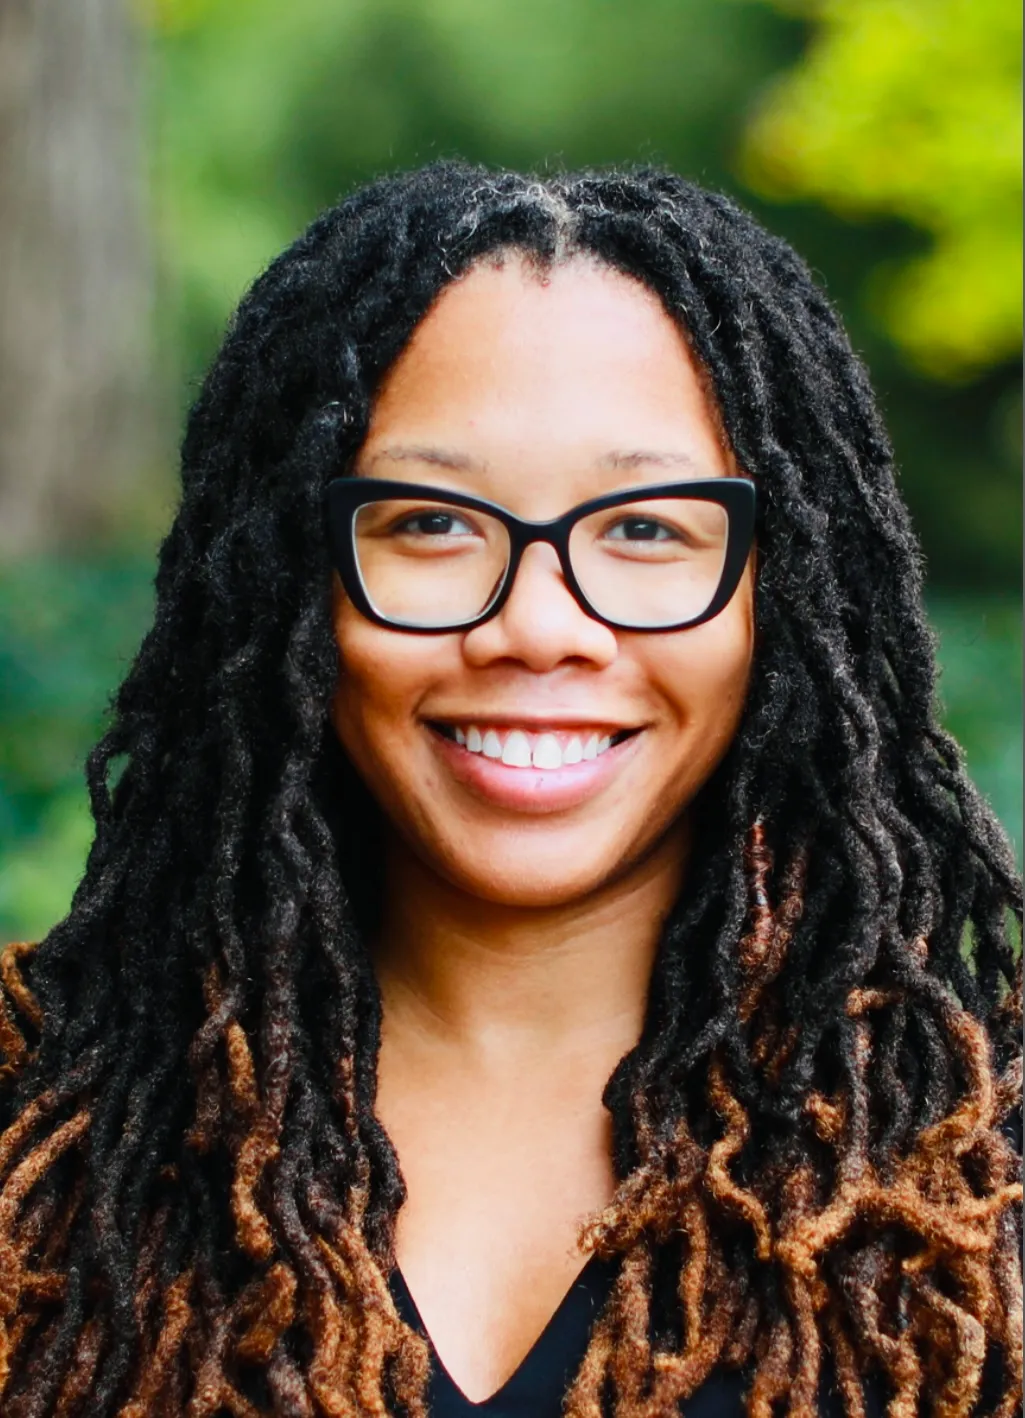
(537, 1388)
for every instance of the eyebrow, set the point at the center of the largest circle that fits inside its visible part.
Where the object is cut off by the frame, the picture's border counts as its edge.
(461, 462)
(438, 457)
(641, 456)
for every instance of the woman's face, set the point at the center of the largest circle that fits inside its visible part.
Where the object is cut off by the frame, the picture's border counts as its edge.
(538, 393)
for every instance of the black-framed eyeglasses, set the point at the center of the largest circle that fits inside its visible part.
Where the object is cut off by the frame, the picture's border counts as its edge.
(430, 560)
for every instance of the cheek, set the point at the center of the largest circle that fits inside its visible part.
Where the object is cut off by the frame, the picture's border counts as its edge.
(704, 676)
(380, 676)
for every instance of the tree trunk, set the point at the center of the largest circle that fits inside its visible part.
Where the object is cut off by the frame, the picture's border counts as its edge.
(76, 397)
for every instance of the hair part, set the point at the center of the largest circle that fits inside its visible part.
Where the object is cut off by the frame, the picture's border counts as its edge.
(197, 1202)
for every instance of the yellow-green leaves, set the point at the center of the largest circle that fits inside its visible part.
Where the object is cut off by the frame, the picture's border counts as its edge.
(912, 108)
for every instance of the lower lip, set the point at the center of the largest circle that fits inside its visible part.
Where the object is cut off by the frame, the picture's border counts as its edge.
(532, 790)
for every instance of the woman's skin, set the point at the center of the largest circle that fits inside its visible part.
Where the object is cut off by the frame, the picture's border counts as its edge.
(520, 920)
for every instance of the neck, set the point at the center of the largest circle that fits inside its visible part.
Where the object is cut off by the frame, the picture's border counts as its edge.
(495, 981)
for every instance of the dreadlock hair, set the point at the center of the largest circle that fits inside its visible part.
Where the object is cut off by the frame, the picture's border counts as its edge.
(197, 1203)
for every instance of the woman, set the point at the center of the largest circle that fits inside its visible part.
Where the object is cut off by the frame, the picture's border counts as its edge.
(539, 951)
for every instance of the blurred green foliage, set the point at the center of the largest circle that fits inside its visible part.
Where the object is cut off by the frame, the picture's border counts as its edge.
(67, 635)
(913, 107)
(68, 632)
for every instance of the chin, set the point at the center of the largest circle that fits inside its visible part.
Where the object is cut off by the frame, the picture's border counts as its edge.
(519, 892)
(543, 879)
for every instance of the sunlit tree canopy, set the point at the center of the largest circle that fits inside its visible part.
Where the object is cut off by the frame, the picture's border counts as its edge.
(912, 108)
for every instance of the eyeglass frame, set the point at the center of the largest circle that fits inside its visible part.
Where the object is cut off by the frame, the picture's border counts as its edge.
(345, 495)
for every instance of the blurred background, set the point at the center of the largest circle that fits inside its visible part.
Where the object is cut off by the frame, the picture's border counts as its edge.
(155, 155)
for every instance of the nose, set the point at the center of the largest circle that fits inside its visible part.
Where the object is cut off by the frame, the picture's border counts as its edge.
(541, 624)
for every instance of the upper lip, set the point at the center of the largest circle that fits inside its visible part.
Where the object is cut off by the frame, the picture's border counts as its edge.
(535, 722)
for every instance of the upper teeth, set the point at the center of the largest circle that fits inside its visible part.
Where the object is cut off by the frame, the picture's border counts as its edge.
(518, 749)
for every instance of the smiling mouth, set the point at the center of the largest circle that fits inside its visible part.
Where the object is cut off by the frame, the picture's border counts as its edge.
(547, 749)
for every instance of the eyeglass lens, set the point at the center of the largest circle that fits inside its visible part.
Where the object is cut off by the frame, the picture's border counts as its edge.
(650, 563)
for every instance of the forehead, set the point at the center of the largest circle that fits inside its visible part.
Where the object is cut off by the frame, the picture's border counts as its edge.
(551, 373)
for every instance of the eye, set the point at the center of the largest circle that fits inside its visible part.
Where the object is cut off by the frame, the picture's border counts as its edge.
(640, 529)
(435, 523)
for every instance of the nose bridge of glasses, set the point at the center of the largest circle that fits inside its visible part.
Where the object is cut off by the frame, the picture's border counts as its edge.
(553, 532)
(525, 531)
(531, 572)
(526, 554)
(541, 616)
